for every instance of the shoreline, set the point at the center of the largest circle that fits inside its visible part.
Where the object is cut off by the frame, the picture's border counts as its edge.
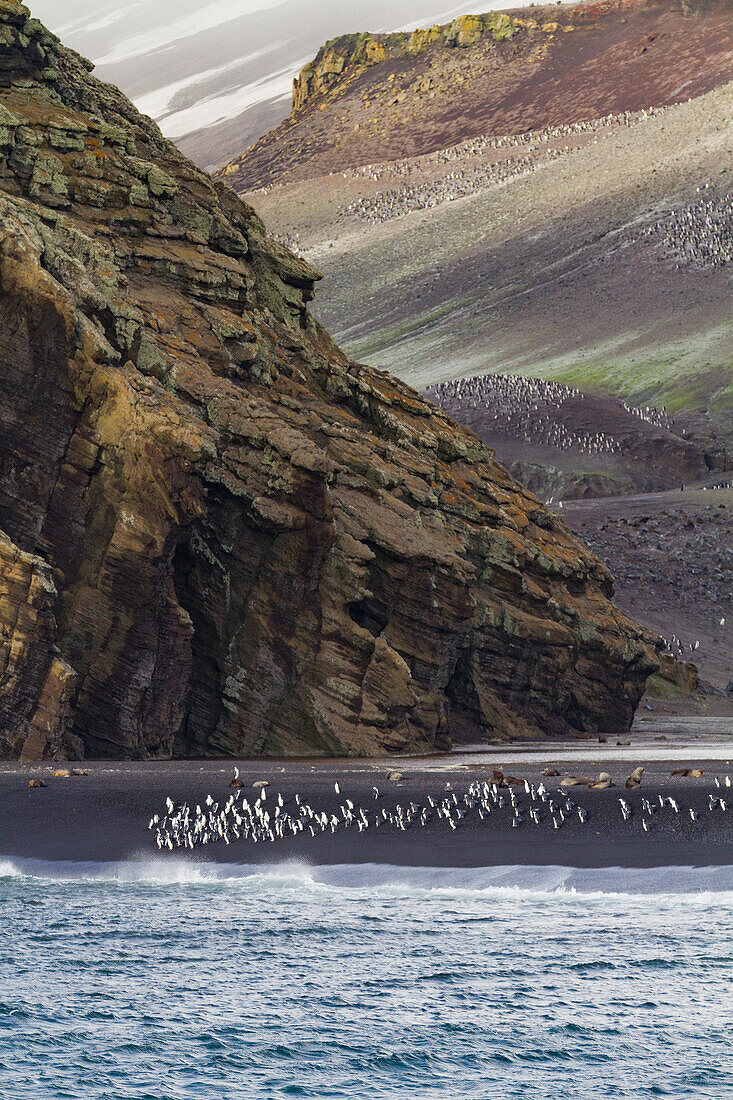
(103, 816)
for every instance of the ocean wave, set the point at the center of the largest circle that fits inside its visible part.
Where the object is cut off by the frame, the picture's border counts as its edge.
(531, 880)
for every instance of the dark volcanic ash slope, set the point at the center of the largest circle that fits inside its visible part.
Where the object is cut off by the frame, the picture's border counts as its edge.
(373, 98)
(220, 534)
(542, 235)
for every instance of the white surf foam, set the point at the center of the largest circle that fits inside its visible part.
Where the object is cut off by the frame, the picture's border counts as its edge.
(549, 881)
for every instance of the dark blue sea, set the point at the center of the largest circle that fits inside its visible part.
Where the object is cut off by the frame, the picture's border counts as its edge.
(168, 980)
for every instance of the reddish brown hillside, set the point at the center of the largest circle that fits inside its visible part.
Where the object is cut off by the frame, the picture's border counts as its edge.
(375, 98)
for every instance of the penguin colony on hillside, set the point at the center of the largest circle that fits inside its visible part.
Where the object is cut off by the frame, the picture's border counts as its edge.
(678, 648)
(698, 236)
(485, 143)
(527, 408)
(464, 150)
(459, 183)
(272, 819)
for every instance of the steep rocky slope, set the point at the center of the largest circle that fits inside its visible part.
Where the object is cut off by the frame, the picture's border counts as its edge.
(369, 98)
(221, 535)
(672, 555)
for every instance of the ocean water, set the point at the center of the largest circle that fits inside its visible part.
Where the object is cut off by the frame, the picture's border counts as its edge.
(166, 980)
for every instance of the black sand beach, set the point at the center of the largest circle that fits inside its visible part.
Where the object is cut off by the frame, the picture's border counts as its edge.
(104, 815)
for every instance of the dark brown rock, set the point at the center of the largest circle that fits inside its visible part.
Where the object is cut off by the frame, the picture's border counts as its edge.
(683, 674)
(243, 542)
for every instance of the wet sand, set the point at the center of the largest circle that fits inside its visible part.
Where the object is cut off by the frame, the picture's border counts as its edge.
(104, 815)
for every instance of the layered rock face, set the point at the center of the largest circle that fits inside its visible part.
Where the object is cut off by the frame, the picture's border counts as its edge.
(221, 536)
(346, 57)
(35, 683)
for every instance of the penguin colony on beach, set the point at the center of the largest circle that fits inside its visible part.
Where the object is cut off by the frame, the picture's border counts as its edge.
(262, 820)
(272, 819)
(650, 807)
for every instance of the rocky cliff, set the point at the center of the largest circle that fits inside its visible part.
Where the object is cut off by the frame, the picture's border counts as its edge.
(220, 534)
(345, 58)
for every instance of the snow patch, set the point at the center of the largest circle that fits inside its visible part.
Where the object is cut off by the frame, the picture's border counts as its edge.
(205, 18)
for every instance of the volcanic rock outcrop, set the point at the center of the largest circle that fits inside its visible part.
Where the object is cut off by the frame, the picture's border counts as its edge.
(220, 535)
(346, 57)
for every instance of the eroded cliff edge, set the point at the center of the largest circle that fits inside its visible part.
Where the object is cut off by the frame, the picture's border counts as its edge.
(220, 535)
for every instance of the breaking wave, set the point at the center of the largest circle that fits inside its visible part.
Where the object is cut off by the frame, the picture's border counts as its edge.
(386, 878)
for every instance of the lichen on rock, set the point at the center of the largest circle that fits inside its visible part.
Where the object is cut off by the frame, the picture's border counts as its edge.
(344, 58)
